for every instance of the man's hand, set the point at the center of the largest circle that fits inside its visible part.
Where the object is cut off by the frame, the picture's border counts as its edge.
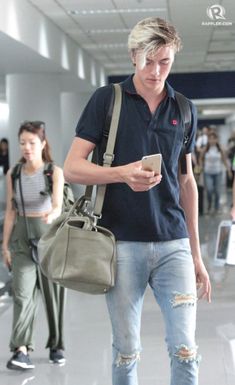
(203, 281)
(7, 258)
(138, 179)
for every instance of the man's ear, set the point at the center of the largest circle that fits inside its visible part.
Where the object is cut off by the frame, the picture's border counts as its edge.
(133, 57)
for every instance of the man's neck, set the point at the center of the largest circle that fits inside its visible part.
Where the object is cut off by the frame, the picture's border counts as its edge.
(152, 97)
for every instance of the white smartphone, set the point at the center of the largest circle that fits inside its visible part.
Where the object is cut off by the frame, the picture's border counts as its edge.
(152, 163)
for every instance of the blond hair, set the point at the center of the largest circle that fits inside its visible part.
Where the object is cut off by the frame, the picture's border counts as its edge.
(152, 33)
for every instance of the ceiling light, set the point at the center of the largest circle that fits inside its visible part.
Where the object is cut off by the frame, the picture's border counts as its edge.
(104, 46)
(118, 30)
(218, 112)
(84, 12)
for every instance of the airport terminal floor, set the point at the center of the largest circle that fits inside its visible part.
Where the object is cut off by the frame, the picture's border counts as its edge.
(88, 332)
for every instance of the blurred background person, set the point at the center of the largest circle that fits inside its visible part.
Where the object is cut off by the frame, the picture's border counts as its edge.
(233, 202)
(231, 156)
(213, 160)
(4, 155)
(202, 139)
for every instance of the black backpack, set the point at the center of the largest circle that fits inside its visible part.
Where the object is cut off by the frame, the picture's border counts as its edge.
(185, 113)
(68, 197)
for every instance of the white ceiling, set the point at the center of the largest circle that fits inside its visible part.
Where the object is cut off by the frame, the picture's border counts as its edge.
(101, 27)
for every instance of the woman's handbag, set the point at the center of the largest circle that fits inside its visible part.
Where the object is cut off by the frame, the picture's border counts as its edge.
(75, 252)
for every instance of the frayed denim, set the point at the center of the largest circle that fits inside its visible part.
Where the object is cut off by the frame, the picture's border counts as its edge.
(169, 270)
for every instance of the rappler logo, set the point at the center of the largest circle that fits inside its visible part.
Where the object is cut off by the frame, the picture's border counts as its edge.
(216, 12)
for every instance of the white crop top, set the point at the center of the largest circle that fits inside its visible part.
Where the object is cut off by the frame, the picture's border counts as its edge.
(32, 185)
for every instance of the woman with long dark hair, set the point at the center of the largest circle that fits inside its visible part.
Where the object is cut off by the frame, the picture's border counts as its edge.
(4, 155)
(37, 209)
(213, 160)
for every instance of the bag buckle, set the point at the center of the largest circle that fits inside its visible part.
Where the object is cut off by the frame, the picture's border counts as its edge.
(85, 206)
(96, 217)
(108, 159)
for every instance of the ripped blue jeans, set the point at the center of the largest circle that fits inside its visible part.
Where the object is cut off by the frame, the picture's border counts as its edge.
(169, 270)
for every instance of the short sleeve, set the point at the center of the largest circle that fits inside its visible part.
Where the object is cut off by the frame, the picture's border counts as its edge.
(92, 121)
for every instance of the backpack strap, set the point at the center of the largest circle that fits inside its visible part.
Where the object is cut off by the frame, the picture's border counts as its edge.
(186, 114)
(48, 172)
(15, 174)
(109, 114)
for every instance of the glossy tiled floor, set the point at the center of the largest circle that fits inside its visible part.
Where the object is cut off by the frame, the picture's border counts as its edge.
(88, 334)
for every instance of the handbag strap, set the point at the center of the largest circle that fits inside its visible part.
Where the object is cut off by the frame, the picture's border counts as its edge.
(22, 203)
(108, 155)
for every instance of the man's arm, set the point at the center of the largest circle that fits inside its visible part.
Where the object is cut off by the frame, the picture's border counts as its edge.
(189, 202)
(78, 169)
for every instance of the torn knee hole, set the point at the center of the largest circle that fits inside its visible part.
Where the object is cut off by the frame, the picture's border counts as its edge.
(185, 354)
(181, 299)
(126, 359)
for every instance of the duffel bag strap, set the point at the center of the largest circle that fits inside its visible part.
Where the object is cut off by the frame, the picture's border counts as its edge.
(108, 155)
(82, 204)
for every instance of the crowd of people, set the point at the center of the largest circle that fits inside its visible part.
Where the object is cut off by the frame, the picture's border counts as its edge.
(214, 168)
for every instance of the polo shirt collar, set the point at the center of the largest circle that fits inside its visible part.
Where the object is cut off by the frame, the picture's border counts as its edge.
(128, 86)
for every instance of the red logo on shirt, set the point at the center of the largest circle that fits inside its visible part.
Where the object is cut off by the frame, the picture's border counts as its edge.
(174, 122)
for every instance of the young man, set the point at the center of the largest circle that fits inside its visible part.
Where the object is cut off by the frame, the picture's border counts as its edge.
(154, 217)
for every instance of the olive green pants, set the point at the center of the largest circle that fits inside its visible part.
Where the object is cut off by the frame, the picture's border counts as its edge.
(27, 281)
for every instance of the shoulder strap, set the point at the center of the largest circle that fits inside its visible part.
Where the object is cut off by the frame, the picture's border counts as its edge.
(95, 155)
(22, 203)
(109, 114)
(15, 174)
(48, 172)
(108, 155)
(185, 112)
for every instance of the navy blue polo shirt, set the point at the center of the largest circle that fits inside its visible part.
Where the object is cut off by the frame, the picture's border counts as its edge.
(155, 215)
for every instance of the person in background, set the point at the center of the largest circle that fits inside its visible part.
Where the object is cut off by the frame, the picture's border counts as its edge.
(212, 161)
(202, 139)
(4, 155)
(231, 157)
(41, 210)
(153, 217)
(233, 197)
